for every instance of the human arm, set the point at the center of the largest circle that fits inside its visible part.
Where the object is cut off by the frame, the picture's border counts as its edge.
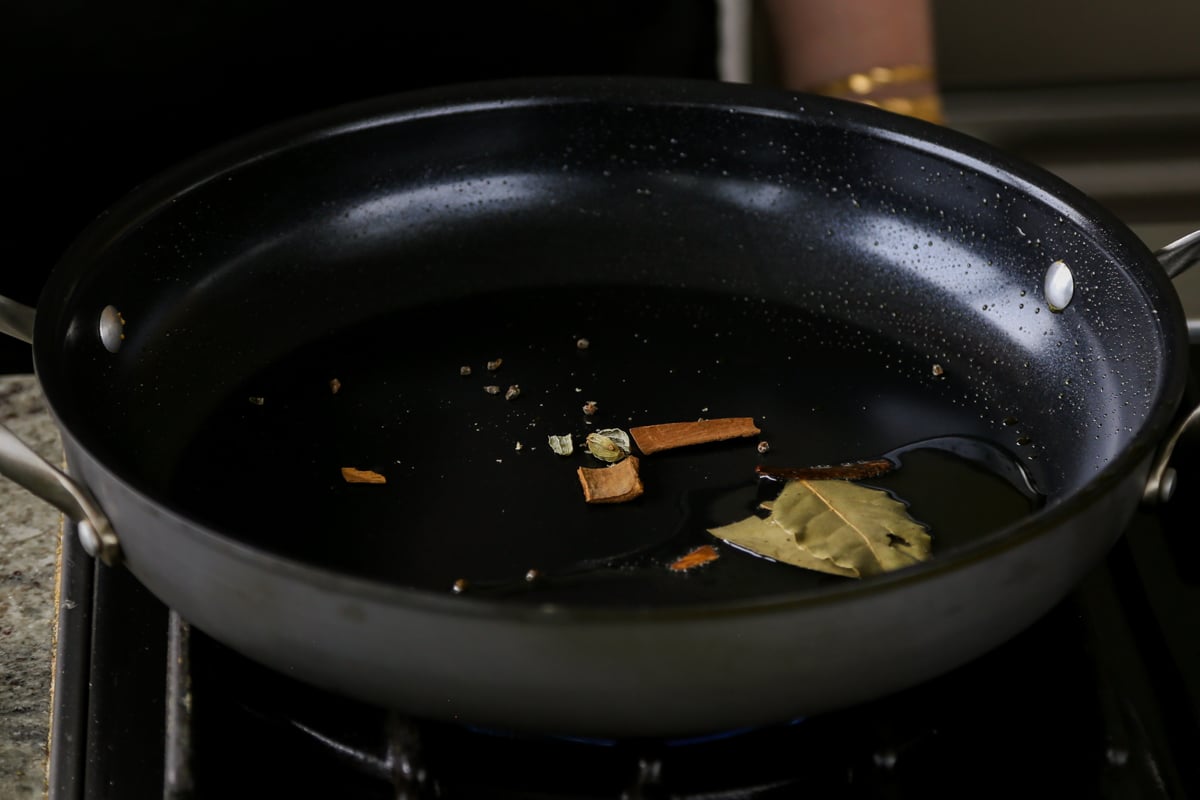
(889, 44)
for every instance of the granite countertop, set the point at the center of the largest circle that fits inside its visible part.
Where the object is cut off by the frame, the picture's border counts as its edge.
(30, 530)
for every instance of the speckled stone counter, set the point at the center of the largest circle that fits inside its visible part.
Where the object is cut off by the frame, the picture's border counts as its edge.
(29, 534)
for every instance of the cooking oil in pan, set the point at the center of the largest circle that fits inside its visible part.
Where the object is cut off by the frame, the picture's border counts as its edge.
(472, 495)
(956, 486)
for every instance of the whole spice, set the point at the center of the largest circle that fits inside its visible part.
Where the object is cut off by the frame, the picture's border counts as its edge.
(833, 526)
(590, 408)
(464, 370)
(764, 446)
(513, 392)
(695, 558)
(653, 438)
(352, 475)
(609, 444)
(616, 484)
(854, 471)
(492, 389)
(494, 364)
(258, 401)
(582, 344)
(561, 445)
(335, 386)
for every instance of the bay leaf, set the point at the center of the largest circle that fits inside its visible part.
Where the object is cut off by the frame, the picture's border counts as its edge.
(765, 537)
(833, 526)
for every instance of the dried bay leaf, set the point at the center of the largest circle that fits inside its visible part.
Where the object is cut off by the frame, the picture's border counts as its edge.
(854, 526)
(764, 537)
(833, 526)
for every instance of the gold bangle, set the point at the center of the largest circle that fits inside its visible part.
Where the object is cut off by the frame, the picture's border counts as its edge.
(860, 84)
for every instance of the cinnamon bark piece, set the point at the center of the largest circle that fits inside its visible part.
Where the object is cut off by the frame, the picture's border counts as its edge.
(852, 471)
(701, 555)
(352, 475)
(653, 438)
(616, 484)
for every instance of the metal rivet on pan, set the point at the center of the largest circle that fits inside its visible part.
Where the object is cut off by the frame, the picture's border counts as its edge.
(112, 329)
(88, 538)
(1059, 286)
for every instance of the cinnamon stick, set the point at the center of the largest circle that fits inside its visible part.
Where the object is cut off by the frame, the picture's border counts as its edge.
(853, 471)
(669, 435)
(616, 484)
(352, 475)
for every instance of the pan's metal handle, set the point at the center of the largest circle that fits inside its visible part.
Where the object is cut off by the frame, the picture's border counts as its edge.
(16, 320)
(1160, 486)
(21, 464)
(1180, 255)
(1176, 258)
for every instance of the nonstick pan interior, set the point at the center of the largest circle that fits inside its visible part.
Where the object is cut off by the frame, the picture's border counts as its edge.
(856, 290)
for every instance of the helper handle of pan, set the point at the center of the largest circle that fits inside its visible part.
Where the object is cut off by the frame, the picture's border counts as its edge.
(21, 464)
(1176, 258)
(16, 320)
(1180, 254)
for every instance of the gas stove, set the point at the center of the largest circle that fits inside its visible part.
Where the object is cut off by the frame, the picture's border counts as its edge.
(1100, 698)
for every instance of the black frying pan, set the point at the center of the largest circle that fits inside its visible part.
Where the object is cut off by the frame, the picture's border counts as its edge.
(861, 284)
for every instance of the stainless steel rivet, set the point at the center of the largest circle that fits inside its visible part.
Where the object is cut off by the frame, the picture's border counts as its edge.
(112, 329)
(88, 537)
(1059, 286)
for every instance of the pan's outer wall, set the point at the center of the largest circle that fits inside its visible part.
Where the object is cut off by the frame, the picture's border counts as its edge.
(548, 670)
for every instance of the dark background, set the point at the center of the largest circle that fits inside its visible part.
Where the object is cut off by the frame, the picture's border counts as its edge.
(98, 97)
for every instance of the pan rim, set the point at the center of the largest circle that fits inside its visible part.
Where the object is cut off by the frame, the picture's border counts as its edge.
(953, 146)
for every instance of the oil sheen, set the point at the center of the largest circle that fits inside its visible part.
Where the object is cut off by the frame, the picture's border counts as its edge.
(475, 495)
